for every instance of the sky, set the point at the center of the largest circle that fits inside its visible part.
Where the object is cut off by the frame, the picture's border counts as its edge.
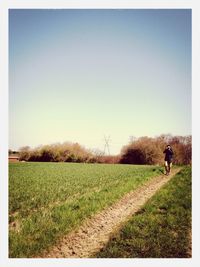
(86, 75)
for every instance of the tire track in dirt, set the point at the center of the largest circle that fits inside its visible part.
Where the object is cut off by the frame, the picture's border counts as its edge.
(94, 233)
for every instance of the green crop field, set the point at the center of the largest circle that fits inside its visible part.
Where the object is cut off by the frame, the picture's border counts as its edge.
(48, 200)
(161, 229)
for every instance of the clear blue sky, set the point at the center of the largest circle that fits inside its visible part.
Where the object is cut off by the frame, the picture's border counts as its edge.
(77, 75)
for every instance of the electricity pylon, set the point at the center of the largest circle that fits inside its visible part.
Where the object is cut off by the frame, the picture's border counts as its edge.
(106, 146)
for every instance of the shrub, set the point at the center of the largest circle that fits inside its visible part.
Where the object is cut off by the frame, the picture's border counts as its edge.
(66, 152)
(146, 150)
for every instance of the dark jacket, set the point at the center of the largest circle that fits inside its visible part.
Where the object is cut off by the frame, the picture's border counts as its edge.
(168, 154)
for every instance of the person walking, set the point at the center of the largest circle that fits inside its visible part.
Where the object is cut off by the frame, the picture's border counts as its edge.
(168, 158)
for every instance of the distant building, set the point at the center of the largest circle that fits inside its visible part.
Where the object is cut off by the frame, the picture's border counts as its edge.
(13, 158)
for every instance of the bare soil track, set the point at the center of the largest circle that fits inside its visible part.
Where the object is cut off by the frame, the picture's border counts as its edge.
(96, 231)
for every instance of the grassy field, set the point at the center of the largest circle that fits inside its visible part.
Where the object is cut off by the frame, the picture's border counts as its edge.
(47, 200)
(161, 229)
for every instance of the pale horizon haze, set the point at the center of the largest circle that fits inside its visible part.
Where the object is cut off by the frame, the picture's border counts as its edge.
(78, 75)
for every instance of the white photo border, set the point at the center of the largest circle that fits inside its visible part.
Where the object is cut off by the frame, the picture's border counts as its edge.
(5, 5)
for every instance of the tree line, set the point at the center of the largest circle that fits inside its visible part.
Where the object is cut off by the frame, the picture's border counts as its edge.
(143, 150)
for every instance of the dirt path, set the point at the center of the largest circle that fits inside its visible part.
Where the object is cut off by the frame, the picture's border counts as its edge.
(95, 232)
